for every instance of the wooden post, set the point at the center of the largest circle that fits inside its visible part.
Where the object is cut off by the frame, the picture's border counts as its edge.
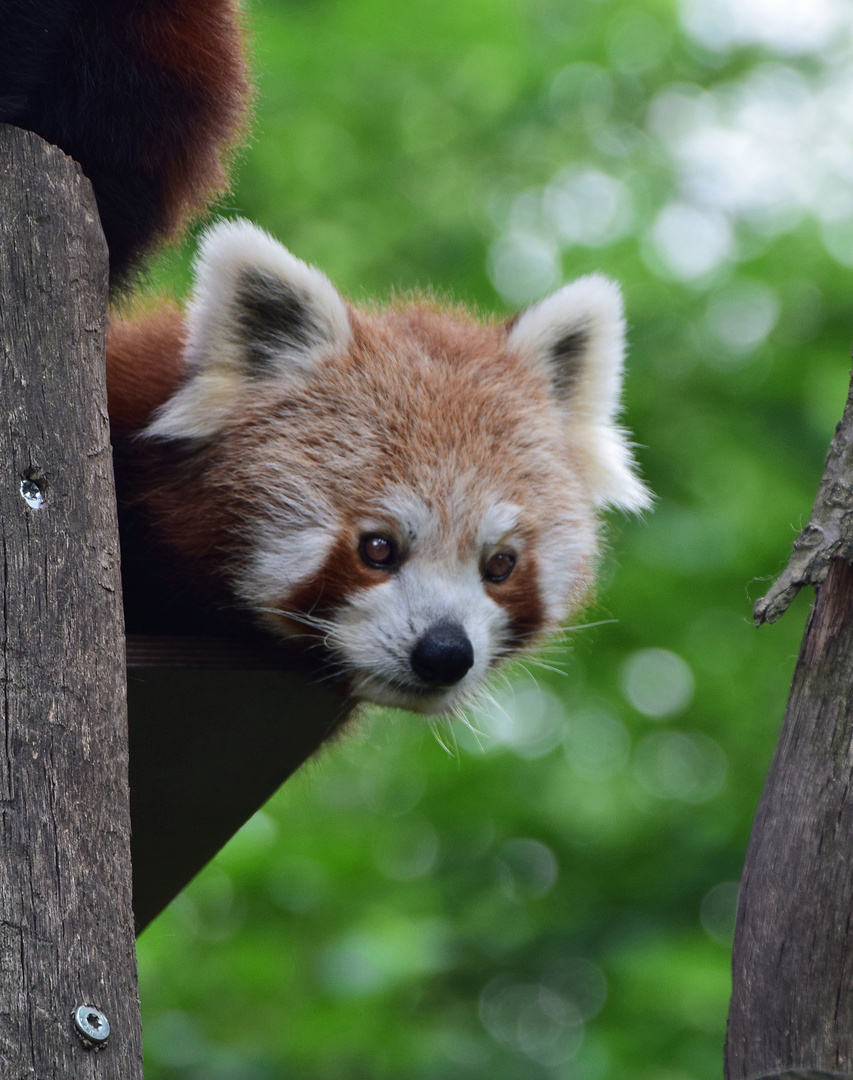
(66, 928)
(791, 1015)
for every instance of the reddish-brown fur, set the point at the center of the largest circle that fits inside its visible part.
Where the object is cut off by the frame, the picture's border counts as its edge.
(200, 44)
(144, 365)
(342, 572)
(148, 96)
(520, 595)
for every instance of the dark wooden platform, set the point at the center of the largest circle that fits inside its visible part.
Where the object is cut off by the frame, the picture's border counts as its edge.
(216, 726)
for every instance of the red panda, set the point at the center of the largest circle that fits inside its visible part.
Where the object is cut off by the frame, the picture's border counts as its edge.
(147, 96)
(412, 491)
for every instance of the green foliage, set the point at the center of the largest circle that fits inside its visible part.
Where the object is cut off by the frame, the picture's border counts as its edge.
(553, 898)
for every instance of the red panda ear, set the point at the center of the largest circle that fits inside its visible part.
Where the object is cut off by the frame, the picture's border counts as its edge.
(257, 312)
(578, 336)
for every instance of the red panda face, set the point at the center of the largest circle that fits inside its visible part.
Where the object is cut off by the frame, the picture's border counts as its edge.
(413, 490)
(417, 609)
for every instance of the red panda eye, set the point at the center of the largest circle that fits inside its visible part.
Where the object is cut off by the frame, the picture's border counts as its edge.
(499, 566)
(379, 551)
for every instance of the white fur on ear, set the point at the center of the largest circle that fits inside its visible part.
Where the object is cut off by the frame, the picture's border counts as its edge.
(578, 335)
(257, 311)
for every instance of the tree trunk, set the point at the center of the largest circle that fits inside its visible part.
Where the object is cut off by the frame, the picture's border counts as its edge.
(791, 1012)
(66, 928)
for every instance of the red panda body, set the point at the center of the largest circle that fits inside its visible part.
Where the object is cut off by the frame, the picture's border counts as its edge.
(413, 491)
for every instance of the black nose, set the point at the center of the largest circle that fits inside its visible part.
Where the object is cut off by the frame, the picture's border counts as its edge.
(443, 655)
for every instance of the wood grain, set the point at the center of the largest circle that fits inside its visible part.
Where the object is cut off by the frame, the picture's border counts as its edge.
(792, 999)
(66, 929)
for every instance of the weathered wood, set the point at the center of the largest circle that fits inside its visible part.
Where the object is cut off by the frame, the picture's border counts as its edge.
(66, 928)
(792, 996)
(799, 1074)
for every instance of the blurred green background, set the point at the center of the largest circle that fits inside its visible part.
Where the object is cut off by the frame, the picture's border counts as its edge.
(554, 899)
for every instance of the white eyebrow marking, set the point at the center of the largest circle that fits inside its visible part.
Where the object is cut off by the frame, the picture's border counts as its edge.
(500, 519)
(413, 516)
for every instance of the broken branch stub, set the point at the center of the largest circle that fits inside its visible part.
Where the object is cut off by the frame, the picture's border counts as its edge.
(829, 533)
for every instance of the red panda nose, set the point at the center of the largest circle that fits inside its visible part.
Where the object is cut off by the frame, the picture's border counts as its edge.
(443, 655)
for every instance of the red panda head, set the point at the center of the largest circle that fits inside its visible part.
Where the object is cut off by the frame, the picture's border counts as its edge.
(415, 490)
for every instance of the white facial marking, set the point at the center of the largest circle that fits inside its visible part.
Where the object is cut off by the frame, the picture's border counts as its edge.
(563, 554)
(416, 522)
(497, 524)
(282, 560)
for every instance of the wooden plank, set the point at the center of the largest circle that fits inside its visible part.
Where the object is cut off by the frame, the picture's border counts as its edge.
(66, 932)
(170, 651)
(208, 747)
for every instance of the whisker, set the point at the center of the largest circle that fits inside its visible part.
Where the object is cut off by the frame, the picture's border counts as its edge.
(528, 673)
(456, 753)
(462, 716)
(588, 626)
(537, 661)
(495, 703)
(433, 726)
(300, 617)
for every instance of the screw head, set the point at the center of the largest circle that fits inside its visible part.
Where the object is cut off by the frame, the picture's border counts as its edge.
(92, 1026)
(32, 492)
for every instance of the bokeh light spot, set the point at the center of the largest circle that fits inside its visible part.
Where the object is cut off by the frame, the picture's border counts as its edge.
(657, 682)
(675, 765)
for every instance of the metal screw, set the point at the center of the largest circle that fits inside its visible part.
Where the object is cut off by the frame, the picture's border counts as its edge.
(91, 1026)
(32, 492)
